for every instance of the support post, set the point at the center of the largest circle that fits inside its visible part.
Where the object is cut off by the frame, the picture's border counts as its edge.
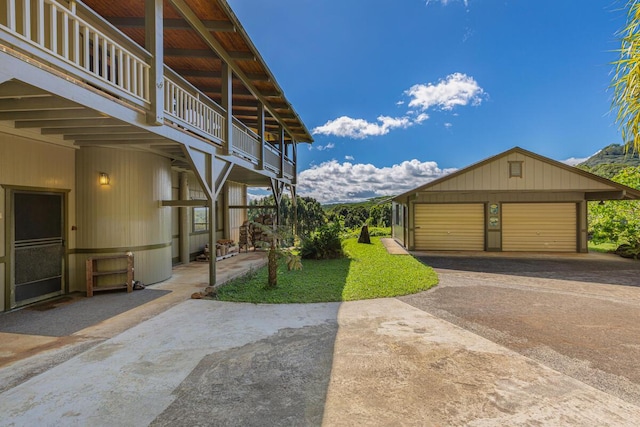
(184, 219)
(227, 104)
(294, 147)
(260, 115)
(154, 43)
(212, 242)
(282, 148)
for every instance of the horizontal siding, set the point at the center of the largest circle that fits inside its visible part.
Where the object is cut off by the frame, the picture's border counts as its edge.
(539, 227)
(449, 227)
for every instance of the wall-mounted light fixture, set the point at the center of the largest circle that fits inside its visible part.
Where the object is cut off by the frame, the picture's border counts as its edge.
(104, 178)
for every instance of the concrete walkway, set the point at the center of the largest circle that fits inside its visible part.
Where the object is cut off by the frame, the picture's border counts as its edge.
(18, 352)
(376, 362)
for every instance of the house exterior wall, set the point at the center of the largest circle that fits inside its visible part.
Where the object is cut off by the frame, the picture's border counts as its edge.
(35, 165)
(125, 215)
(237, 196)
(175, 218)
(397, 222)
(536, 176)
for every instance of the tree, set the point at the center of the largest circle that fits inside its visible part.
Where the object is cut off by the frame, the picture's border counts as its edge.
(617, 221)
(310, 215)
(380, 215)
(626, 79)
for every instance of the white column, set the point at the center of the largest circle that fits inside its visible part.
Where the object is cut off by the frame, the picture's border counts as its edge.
(154, 44)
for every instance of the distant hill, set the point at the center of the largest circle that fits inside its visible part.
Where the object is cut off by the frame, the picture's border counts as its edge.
(610, 160)
(332, 207)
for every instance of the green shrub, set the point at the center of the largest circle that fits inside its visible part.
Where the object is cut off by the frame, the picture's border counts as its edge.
(324, 243)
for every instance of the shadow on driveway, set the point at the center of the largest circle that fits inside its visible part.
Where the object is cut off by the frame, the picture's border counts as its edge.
(594, 268)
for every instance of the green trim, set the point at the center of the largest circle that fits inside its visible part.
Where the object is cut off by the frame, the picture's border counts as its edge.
(36, 189)
(121, 249)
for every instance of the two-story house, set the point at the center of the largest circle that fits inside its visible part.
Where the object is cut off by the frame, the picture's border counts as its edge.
(130, 126)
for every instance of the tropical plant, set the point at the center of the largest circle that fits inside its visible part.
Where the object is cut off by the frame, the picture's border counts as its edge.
(617, 221)
(626, 79)
(275, 235)
(325, 243)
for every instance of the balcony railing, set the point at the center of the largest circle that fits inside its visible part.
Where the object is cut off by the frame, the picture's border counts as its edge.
(186, 106)
(72, 37)
(57, 30)
(245, 143)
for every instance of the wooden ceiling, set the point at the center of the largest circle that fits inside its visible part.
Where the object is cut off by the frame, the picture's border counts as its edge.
(190, 55)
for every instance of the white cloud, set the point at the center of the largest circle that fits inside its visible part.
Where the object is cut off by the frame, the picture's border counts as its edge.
(572, 161)
(422, 117)
(333, 182)
(448, 125)
(329, 146)
(349, 158)
(360, 128)
(455, 90)
(446, 2)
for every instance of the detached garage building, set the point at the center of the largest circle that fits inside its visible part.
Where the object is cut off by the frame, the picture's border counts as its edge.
(515, 201)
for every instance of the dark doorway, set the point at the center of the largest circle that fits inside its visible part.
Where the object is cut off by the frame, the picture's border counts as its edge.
(38, 245)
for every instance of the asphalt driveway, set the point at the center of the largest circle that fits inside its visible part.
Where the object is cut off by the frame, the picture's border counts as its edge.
(578, 314)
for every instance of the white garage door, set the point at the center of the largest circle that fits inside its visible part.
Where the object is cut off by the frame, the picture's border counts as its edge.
(539, 227)
(449, 227)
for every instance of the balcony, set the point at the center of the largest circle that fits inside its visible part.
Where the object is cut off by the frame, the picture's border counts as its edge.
(72, 40)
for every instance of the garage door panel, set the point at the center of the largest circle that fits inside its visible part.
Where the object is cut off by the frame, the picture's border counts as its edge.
(538, 227)
(449, 227)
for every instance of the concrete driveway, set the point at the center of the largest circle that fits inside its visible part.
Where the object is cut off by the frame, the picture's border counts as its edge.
(520, 357)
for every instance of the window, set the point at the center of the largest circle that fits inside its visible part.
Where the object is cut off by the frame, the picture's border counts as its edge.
(200, 219)
(515, 169)
(398, 209)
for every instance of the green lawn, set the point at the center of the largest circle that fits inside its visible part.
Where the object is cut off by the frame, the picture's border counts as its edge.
(367, 272)
(602, 247)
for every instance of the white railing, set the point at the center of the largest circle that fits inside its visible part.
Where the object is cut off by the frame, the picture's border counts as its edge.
(271, 158)
(57, 29)
(191, 109)
(246, 143)
(288, 168)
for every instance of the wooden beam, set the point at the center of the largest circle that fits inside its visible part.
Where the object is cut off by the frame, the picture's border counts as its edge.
(93, 143)
(188, 14)
(208, 53)
(186, 53)
(91, 130)
(185, 203)
(146, 137)
(12, 89)
(70, 113)
(605, 195)
(215, 91)
(35, 104)
(172, 24)
(68, 123)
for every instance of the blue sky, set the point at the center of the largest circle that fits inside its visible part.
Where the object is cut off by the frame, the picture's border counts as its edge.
(399, 92)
